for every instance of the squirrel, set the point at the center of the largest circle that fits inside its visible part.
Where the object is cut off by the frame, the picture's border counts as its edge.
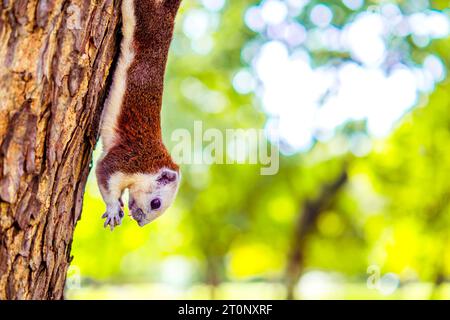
(134, 156)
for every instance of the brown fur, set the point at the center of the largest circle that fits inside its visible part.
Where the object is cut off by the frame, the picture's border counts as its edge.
(139, 148)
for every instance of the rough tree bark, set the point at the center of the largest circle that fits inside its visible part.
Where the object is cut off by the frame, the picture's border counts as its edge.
(55, 58)
(306, 222)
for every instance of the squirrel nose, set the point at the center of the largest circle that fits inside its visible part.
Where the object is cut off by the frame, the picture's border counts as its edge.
(138, 214)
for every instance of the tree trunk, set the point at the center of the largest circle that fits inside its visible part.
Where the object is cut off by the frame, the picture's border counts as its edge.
(55, 58)
(306, 221)
(214, 266)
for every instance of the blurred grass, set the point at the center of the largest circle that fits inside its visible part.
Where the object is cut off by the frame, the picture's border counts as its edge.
(250, 291)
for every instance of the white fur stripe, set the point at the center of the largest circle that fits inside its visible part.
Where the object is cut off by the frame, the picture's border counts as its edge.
(113, 104)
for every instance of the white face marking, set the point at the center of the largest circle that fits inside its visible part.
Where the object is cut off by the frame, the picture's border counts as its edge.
(113, 103)
(161, 188)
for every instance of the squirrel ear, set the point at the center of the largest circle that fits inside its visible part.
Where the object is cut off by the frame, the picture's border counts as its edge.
(167, 176)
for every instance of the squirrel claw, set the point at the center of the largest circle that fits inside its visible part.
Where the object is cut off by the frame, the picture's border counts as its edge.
(113, 218)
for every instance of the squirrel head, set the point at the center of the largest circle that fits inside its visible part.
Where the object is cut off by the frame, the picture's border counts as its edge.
(151, 194)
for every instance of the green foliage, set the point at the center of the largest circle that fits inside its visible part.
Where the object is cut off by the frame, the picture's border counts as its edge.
(229, 220)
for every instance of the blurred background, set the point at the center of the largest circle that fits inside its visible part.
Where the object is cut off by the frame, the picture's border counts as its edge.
(356, 92)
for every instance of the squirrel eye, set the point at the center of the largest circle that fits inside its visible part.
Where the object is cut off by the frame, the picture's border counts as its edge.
(155, 204)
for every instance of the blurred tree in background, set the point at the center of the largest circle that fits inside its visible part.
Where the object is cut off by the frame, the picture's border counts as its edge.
(356, 94)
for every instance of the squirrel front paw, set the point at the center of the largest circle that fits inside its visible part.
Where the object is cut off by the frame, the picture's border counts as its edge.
(113, 215)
